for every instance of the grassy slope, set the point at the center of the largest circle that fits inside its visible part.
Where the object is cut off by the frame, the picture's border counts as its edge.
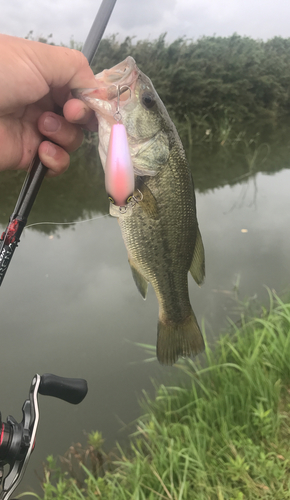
(223, 435)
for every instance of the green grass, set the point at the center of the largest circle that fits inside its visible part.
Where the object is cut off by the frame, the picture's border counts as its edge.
(222, 434)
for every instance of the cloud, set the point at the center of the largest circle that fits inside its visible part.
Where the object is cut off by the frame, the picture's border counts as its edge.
(189, 18)
(133, 14)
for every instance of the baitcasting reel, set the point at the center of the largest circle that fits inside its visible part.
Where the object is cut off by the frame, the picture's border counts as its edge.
(17, 440)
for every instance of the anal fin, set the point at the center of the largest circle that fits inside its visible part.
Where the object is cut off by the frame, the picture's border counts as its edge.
(141, 282)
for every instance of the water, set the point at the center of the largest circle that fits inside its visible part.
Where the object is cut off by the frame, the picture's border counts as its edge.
(69, 304)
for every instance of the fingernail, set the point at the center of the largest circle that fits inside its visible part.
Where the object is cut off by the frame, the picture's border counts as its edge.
(81, 114)
(51, 124)
(50, 149)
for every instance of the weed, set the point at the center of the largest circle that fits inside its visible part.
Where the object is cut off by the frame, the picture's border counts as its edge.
(222, 433)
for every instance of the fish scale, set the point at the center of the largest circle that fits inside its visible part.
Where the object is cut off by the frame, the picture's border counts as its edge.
(176, 200)
(159, 227)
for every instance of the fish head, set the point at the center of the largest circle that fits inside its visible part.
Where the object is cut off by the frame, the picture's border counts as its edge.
(110, 85)
(124, 94)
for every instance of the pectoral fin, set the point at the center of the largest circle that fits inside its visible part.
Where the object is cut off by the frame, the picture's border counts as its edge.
(141, 282)
(146, 200)
(197, 268)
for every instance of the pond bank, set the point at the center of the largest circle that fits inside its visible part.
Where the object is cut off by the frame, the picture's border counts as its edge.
(223, 434)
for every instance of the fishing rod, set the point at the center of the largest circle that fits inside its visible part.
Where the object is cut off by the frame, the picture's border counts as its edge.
(11, 236)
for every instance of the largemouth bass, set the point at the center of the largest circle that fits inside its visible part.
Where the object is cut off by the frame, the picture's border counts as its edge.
(159, 226)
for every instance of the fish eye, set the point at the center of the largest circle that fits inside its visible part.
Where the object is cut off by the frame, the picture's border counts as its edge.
(112, 200)
(129, 198)
(148, 99)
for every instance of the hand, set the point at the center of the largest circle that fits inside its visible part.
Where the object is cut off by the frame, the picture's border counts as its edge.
(35, 78)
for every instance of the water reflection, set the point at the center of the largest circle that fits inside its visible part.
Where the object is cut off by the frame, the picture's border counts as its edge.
(69, 304)
(80, 191)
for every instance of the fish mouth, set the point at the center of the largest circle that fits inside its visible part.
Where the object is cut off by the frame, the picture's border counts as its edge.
(112, 85)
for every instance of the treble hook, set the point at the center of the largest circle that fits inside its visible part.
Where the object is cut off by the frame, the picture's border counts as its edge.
(136, 198)
(131, 204)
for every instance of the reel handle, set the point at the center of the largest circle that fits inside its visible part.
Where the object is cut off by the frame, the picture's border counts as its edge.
(17, 440)
(72, 390)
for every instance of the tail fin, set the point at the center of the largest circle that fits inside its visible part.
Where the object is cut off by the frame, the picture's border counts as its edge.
(178, 339)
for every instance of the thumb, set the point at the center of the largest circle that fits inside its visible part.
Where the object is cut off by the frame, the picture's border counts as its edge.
(41, 67)
(61, 66)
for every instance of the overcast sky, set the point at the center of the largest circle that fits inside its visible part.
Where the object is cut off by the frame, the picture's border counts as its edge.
(147, 18)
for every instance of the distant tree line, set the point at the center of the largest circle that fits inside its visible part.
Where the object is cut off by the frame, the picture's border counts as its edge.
(236, 76)
(214, 77)
(229, 98)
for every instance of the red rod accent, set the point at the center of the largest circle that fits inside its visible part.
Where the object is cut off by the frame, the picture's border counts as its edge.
(10, 233)
(2, 435)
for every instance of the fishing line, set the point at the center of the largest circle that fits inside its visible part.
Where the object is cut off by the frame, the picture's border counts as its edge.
(66, 223)
(118, 118)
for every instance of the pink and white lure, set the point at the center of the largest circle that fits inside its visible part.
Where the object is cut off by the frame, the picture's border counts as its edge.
(119, 173)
